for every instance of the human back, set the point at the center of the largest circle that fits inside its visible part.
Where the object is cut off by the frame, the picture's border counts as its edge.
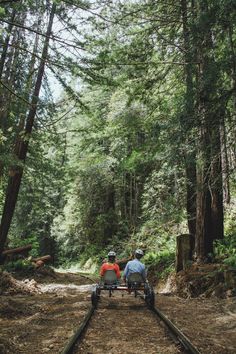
(110, 265)
(135, 266)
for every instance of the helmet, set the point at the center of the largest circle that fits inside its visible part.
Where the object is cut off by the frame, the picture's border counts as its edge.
(139, 253)
(111, 254)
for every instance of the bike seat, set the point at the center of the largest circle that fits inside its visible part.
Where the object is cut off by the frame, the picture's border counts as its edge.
(135, 279)
(110, 277)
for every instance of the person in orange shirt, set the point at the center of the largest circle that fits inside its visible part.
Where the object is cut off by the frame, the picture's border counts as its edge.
(110, 265)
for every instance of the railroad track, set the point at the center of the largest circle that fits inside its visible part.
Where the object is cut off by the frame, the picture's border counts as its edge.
(128, 309)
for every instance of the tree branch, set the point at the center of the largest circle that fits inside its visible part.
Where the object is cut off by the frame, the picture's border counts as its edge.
(53, 37)
(7, 1)
(15, 94)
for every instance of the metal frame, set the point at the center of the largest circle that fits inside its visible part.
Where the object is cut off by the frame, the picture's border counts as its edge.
(130, 287)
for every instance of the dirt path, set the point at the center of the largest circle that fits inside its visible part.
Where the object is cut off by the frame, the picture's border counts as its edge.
(43, 322)
(40, 323)
(210, 323)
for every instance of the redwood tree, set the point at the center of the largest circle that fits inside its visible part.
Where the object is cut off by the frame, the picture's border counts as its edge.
(16, 172)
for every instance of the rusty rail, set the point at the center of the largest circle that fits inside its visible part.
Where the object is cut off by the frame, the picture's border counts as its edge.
(177, 335)
(77, 336)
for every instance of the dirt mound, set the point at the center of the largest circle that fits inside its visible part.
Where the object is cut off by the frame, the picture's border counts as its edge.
(9, 285)
(206, 280)
(45, 273)
(8, 346)
(48, 275)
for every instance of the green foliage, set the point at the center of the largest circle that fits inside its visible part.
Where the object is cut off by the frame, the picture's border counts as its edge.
(157, 236)
(2, 11)
(231, 261)
(41, 195)
(225, 250)
(163, 195)
(94, 253)
(30, 240)
(162, 262)
(19, 265)
(109, 170)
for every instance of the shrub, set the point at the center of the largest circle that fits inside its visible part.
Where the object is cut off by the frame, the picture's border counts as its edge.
(162, 262)
(19, 265)
(225, 250)
(32, 240)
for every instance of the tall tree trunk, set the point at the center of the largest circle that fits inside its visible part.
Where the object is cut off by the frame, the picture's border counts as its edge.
(6, 44)
(233, 58)
(188, 125)
(30, 82)
(225, 164)
(216, 184)
(191, 193)
(203, 243)
(209, 170)
(3, 99)
(233, 69)
(15, 179)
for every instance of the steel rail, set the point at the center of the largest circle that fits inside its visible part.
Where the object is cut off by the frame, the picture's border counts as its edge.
(179, 335)
(78, 333)
(175, 333)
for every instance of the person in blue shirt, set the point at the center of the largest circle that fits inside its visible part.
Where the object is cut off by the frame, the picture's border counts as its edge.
(135, 266)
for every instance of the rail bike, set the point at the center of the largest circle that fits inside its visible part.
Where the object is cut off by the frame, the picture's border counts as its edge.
(135, 284)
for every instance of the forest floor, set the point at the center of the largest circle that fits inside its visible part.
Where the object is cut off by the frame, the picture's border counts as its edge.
(40, 314)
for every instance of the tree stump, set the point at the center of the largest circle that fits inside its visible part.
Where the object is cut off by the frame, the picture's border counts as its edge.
(184, 251)
(230, 278)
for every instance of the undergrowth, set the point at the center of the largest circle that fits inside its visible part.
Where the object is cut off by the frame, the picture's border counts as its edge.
(225, 250)
(18, 265)
(162, 263)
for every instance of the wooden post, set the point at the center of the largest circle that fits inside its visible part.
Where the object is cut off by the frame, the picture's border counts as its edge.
(184, 247)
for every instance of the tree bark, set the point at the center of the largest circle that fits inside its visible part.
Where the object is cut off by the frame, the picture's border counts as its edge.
(17, 250)
(225, 164)
(188, 124)
(17, 172)
(43, 258)
(6, 44)
(184, 251)
(209, 170)
(5, 97)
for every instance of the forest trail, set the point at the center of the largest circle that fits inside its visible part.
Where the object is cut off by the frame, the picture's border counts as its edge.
(123, 324)
(43, 322)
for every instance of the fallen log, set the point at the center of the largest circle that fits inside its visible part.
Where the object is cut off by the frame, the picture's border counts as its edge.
(23, 250)
(38, 264)
(43, 259)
